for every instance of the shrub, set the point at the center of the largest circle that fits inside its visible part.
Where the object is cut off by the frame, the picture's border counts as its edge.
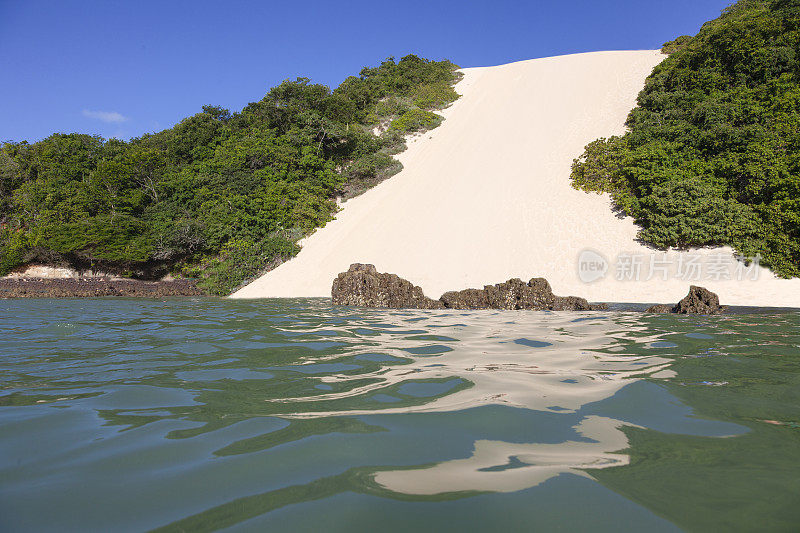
(434, 96)
(676, 45)
(390, 107)
(414, 120)
(240, 261)
(14, 246)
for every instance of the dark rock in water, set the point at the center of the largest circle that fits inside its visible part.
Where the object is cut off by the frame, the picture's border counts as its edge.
(516, 294)
(362, 285)
(466, 299)
(699, 301)
(660, 308)
(575, 303)
(513, 294)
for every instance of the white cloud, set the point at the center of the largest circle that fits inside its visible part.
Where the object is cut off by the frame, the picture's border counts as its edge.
(111, 117)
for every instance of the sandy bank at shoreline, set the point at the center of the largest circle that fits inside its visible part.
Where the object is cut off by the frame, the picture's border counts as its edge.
(486, 197)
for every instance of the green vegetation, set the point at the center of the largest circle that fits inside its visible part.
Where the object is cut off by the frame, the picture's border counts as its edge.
(416, 119)
(712, 155)
(220, 196)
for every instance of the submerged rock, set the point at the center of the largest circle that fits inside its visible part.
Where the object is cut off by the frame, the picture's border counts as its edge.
(363, 285)
(699, 301)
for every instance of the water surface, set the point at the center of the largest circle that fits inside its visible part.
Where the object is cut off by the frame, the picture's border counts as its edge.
(206, 414)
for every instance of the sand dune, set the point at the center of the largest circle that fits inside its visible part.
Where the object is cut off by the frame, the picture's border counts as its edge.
(486, 197)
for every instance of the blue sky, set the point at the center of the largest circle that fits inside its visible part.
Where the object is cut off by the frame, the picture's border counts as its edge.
(122, 69)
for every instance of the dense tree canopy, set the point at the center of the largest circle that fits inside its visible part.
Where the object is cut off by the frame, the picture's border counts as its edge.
(712, 155)
(221, 196)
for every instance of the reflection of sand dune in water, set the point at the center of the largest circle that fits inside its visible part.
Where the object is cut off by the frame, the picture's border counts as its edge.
(555, 362)
(531, 360)
(506, 467)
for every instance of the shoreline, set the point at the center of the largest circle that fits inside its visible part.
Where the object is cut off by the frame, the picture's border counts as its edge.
(183, 289)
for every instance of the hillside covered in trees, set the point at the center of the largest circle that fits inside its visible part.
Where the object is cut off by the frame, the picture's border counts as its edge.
(712, 154)
(221, 196)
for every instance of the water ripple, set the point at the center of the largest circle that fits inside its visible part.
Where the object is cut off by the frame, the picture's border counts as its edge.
(300, 396)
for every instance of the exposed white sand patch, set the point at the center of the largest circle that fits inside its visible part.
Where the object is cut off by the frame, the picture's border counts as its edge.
(43, 272)
(486, 196)
(51, 272)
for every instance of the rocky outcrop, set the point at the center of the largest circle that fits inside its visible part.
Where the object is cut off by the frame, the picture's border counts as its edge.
(94, 288)
(516, 294)
(362, 285)
(699, 301)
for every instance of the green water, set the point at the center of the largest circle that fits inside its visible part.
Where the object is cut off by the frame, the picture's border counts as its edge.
(293, 415)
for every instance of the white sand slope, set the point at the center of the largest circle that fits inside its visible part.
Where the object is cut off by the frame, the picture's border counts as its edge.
(487, 197)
